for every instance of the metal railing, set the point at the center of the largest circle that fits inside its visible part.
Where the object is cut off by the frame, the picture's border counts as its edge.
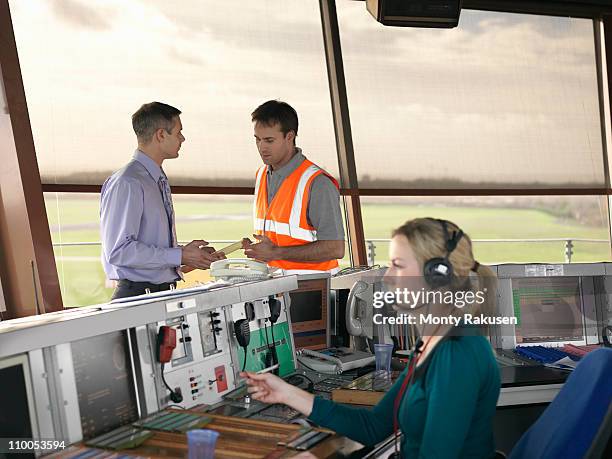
(70, 244)
(568, 246)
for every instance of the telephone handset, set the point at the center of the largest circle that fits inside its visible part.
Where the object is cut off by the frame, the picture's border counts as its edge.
(334, 360)
(319, 361)
(359, 309)
(239, 269)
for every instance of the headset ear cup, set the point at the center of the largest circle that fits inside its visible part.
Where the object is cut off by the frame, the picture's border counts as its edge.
(437, 272)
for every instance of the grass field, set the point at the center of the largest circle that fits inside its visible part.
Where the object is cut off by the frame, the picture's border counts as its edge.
(76, 219)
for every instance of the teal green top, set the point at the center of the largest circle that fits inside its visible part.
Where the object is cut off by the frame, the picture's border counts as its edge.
(447, 412)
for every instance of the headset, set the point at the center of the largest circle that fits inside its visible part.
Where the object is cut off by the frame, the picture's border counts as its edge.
(438, 272)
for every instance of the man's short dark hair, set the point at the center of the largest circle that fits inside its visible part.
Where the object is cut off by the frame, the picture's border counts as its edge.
(151, 117)
(275, 111)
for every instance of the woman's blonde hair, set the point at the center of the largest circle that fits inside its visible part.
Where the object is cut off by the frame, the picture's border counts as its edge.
(428, 239)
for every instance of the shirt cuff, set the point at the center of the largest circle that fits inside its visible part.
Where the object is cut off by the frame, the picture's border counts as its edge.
(320, 410)
(174, 256)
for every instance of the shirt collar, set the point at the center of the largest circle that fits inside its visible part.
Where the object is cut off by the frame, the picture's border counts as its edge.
(291, 166)
(151, 166)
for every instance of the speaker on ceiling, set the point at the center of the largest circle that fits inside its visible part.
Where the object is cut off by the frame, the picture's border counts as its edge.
(416, 13)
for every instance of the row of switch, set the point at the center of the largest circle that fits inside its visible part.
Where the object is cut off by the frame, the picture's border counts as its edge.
(215, 322)
(194, 383)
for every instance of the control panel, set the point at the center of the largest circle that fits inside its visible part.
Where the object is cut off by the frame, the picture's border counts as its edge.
(206, 350)
(262, 336)
(200, 368)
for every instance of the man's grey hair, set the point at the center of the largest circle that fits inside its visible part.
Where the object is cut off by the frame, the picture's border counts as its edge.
(151, 117)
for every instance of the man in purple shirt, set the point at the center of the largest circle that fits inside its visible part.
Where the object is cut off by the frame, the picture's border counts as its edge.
(139, 246)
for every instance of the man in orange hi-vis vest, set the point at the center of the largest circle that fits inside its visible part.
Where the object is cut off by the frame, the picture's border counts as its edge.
(296, 211)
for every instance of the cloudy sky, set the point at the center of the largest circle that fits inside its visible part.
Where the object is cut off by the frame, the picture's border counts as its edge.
(504, 97)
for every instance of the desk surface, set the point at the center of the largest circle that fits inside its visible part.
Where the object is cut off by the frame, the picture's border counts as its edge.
(239, 437)
(528, 384)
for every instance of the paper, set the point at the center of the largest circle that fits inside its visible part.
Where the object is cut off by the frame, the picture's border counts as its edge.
(567, 362)
(231, 248)
(226, 250)
(563, 364)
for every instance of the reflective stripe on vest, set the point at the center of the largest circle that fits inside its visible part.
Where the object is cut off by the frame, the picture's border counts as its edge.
(284, 225)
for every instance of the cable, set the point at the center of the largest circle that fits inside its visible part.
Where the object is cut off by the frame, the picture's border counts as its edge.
(304, 365)
(245, 358)
(405, 386)
(164, 378)
(176, 406)
(355, 269)
(311, 384)
(338, 372)
(306, 377)
(266, 329)
(176, 397)
(271, 357)
(409, 379)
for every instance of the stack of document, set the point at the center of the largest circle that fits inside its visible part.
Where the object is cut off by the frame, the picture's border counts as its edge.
(563, 364)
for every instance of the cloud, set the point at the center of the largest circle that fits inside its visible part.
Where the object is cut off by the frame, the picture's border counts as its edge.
(502, 92)
(238, 22)
(185, 57)
(82, 15)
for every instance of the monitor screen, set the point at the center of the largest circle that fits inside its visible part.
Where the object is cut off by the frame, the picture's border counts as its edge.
(15, 404)
(306, 306)
(105, 387)
(309, 313)
(548, 309)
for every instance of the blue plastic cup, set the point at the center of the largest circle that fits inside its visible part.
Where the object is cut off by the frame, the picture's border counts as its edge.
(201, 443)
(382, 354)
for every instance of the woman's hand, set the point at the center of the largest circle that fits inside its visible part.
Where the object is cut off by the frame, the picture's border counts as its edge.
(267, 387)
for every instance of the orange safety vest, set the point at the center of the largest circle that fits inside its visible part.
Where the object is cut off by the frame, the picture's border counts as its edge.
(285, 219)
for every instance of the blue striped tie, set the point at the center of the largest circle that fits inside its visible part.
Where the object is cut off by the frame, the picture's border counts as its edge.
(164, 187)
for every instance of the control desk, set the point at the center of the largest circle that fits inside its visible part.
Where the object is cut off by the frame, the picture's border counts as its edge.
(104, 376)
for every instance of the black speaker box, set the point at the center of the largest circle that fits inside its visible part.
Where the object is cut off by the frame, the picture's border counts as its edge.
(416, 13)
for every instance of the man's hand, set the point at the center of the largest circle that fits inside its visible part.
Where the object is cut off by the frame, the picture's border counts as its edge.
(196, 254)
(263, 250)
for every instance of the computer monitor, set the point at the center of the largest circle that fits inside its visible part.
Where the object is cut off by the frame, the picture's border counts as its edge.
(17, 408)
(104, 382)
(309, 312)
(548, 309)
(552, 305)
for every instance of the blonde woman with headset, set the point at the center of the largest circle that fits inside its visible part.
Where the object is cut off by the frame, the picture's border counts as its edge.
(445, 400)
